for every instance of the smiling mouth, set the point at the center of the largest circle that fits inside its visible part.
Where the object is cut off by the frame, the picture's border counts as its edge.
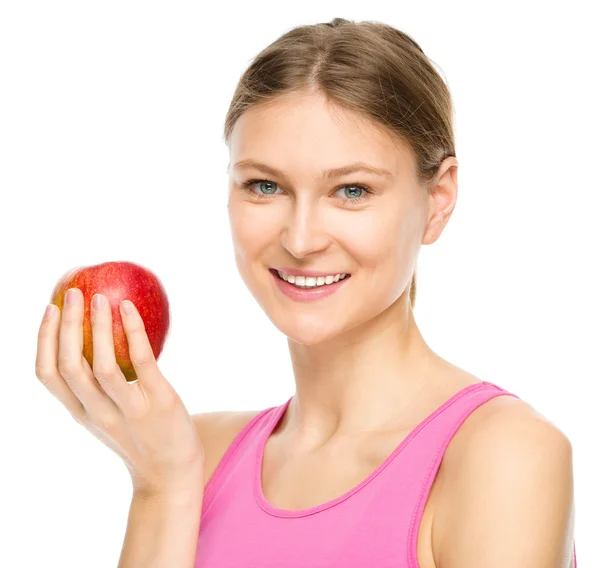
(345, 277)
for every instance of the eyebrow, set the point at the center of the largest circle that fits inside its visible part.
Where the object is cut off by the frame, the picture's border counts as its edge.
(327, 174)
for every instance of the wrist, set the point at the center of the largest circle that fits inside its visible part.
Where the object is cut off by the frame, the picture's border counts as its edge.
(188, 481)
(184, 491)
(170, 498)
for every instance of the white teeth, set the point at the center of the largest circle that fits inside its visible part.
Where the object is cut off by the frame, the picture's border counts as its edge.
(311, 282)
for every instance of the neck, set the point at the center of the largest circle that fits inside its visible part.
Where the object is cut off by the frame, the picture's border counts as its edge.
(365, 380)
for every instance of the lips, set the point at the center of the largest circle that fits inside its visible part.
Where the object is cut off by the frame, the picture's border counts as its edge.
(302, 294)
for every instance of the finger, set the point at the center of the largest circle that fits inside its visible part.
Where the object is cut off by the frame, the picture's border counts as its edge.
(72, 365)
(46, 369)
(105, 367)
(140, 351)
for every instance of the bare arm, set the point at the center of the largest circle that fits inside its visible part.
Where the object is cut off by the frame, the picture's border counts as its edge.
(162, 531)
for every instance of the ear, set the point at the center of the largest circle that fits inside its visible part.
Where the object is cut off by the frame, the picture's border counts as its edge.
(442, 195)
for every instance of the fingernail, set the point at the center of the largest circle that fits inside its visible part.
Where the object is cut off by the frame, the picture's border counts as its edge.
(127, 307)
(97, 301)
(49, 311)
(71, 296)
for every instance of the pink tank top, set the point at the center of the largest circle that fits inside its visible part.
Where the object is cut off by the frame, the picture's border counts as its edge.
(374, 524)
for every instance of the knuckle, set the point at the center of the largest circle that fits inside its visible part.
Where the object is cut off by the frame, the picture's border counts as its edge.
(100, 320)
(106, 422)
(135, 328)
(70, 316)
(40, 373)
(103, 371)
(140, 360)
(80, 418)
(66, 369)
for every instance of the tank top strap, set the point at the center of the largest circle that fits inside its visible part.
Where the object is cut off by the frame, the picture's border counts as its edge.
(427, 443)
(431, 439)
(440, 426)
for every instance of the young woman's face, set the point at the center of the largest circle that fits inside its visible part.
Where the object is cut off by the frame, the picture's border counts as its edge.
(300, 219)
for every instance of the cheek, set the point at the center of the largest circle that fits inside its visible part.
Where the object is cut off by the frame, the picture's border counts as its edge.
(385, 247)
(373, 240)
(251, 233)
(244, 222)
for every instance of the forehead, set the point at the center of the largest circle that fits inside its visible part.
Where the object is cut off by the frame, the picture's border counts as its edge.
(308, 133)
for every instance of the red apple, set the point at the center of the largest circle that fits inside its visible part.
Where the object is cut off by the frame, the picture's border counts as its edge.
(119, 281)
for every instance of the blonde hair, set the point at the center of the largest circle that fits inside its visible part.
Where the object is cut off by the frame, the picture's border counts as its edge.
(367, 67)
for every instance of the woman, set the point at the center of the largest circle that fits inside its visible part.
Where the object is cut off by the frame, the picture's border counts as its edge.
(342, 164)
(349, 461)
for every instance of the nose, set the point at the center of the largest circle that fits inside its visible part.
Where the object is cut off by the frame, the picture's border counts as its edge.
(304, 232)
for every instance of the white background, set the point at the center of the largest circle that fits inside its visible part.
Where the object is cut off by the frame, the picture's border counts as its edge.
(111, 148)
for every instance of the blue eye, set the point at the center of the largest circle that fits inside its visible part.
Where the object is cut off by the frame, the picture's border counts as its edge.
(247, 186)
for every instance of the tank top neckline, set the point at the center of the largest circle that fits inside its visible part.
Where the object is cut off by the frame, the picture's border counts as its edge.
(275, 417)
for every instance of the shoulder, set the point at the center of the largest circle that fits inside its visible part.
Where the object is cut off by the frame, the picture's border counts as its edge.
(503, 423)
(217, 430)
(507, 491)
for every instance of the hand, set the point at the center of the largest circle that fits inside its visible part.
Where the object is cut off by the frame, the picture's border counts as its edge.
(144, 422)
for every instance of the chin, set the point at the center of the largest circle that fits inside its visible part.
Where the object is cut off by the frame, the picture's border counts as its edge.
(307, 333)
